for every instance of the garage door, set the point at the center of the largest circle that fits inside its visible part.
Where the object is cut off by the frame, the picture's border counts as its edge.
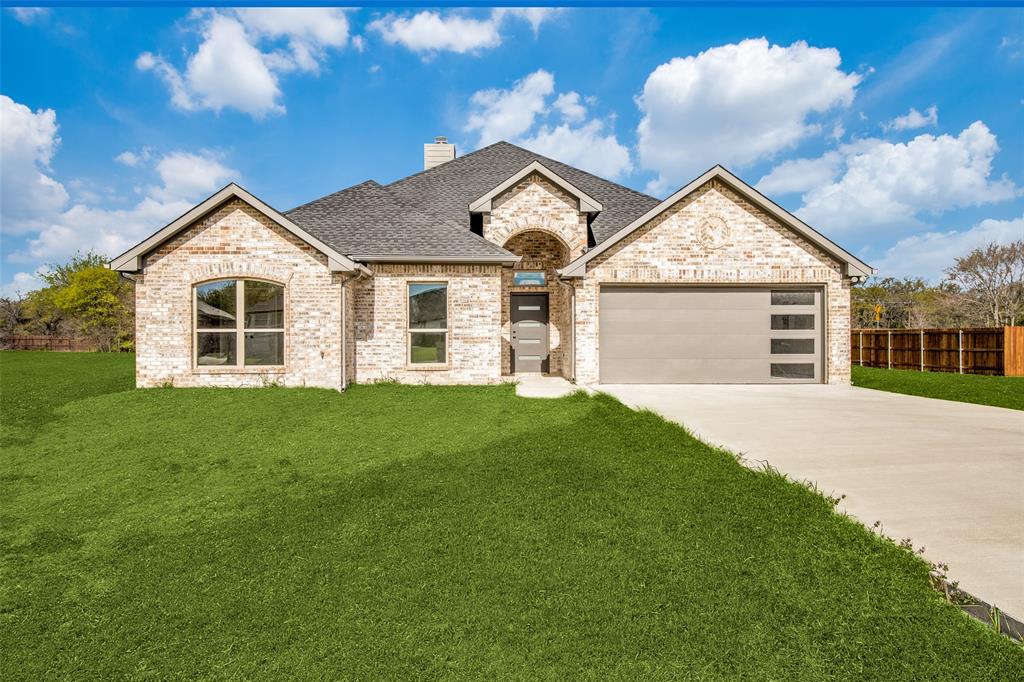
(690, 335)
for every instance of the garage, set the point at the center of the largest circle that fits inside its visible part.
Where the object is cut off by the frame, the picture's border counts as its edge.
(710, 335)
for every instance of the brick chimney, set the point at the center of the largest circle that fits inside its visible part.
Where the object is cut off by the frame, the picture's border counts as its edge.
(437, 153)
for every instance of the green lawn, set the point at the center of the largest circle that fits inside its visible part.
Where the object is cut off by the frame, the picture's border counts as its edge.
(965, 388)
(414, 532)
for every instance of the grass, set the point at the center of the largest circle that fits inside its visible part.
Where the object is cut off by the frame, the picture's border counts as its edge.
(965, 388)
(424, 532)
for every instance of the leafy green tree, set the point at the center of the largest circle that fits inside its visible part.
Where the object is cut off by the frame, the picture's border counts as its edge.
(94, 297)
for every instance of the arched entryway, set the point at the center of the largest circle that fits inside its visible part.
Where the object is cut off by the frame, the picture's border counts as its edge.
(535, 306)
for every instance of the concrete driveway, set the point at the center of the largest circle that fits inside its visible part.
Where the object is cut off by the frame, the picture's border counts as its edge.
(948, 475)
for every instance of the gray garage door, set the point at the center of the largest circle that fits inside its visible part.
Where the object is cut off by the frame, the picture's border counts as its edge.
(691, 335)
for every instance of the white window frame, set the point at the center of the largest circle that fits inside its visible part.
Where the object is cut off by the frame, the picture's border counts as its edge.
(409, 330)
(240, 330)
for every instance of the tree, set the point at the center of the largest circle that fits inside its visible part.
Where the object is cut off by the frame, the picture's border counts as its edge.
(993, 278)
(95, 298)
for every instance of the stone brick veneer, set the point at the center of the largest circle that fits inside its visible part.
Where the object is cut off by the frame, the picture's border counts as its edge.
(537, 204)
(758, 250)
(237, 241)
(539, 251)
(474, 321)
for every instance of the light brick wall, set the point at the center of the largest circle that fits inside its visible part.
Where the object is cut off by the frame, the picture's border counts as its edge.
(540, 251)
(237, 241)
(537, 204)
(757, 250)
(474, 321)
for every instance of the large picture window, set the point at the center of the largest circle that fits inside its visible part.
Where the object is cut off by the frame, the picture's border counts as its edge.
(428, 323)
(238, 323)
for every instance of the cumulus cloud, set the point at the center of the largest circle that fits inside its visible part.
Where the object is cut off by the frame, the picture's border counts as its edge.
(54, 228)
(913, 119)
(801, 175)
(523, 115)
(928, 255)
(21, 283)
(238, 63)
(735, 104)
(429, 32)
(133, 159)
(499, 114)
(588, 146)
(28, 141)
(885, 184)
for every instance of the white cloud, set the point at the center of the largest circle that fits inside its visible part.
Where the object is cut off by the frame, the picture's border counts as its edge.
(498, 114)
(133, 159)
(914, 119)
(587, 147)
(801, 175)
(735, 104)
(928, 255)
(230, 68)
(37, 205)
(520, 115)
(30, 15)
(875, 183)
(21, 283)
(569, 105)
(28, 141)
(430, 32)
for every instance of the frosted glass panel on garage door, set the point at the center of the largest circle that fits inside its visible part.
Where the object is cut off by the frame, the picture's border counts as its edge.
(708, 335)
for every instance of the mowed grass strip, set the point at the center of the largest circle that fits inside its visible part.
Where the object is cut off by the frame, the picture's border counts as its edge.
(423, 532)
(966, 388)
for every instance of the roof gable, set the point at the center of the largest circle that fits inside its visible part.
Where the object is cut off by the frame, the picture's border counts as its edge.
(131, 260)
(853, 266)
(587, 204)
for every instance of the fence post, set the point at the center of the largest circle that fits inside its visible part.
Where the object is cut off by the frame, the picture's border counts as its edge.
(960, 348)
(922, 350)
(861, 348)
(888, 349)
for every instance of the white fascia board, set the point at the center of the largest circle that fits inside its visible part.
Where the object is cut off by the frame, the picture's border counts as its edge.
(852, 266)
(587, 204)
(131, 260)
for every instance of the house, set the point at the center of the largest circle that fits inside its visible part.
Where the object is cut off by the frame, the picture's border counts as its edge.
(485, 266)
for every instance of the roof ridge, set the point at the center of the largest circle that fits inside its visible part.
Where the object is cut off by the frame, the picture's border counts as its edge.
(446, 164)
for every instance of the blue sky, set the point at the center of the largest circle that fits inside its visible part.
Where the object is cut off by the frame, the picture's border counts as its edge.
(896, 132)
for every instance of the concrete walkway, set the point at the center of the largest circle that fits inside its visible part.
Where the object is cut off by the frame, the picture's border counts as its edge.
(948, 475)
(543, 386)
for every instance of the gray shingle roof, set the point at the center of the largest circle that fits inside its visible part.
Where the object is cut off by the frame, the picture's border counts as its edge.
(369, 220)
(448, 189)
(427, 214)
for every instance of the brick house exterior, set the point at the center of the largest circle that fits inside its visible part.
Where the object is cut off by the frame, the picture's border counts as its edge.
(417, 281)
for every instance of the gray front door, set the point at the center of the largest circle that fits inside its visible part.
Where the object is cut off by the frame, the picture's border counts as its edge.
(529, 333)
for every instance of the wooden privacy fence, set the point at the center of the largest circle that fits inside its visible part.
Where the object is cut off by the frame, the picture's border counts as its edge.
(40, 342)
(978, 350)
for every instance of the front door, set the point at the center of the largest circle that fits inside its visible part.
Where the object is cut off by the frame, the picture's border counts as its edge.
(529, 333)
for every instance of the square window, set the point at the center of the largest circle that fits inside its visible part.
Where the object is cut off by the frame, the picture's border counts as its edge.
(264, 306)
(264, 348)
(428, 348)
(529, 278)
(428, 306)
(216, 348)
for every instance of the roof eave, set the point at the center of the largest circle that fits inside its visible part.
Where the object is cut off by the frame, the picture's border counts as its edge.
(131, 260)
(587, 204)
(406, 258)
(852, 266)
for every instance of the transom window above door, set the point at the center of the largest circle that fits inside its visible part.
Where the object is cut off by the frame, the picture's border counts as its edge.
(239, 323)
(529, 278)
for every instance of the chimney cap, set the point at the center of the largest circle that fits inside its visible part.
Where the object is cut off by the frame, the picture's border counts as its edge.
(440, 139)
